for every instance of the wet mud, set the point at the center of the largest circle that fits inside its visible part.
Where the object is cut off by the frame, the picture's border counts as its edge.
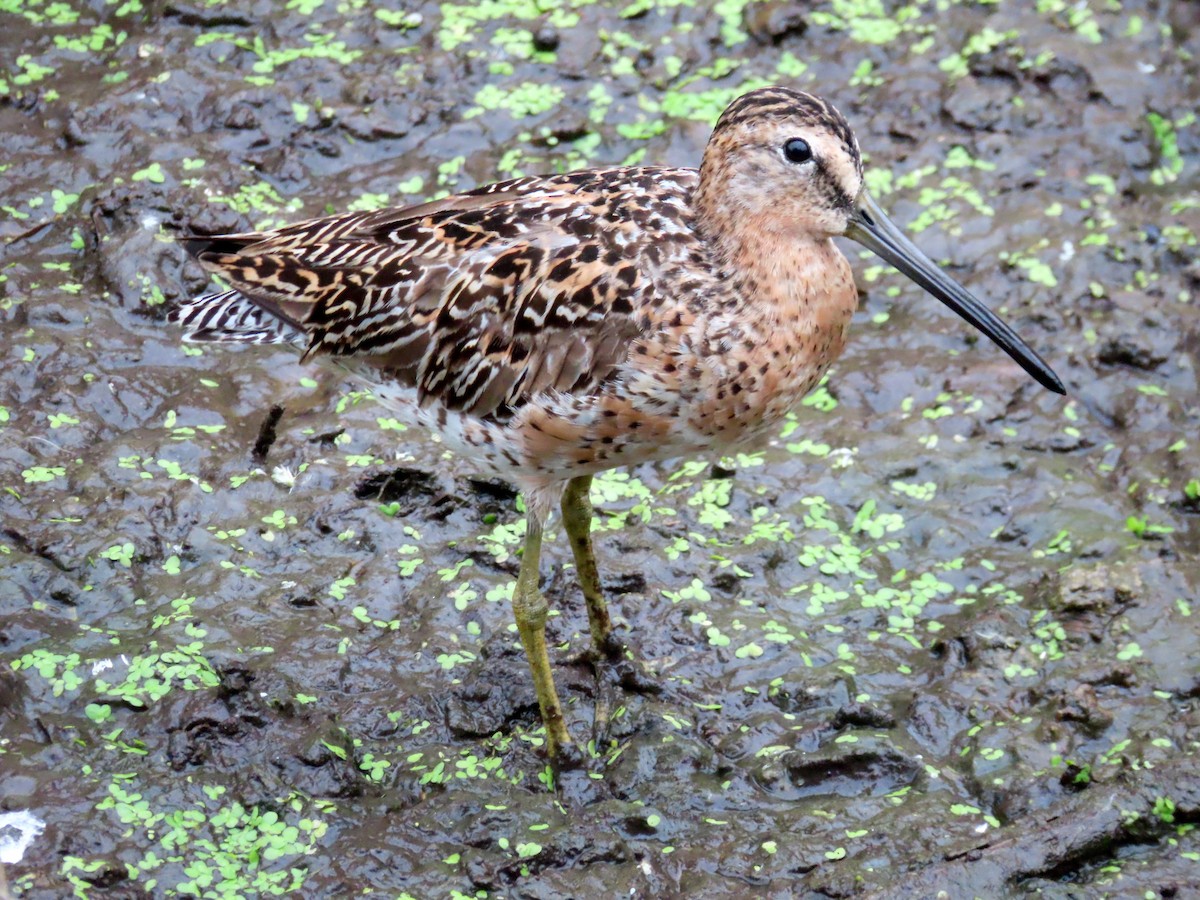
(941, 635)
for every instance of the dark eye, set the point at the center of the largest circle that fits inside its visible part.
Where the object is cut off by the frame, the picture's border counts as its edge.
(796, 150)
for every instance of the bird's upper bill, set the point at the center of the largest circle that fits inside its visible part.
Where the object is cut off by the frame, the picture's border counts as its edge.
(874, 230)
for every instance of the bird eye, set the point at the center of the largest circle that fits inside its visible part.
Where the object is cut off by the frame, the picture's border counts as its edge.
(796, 150)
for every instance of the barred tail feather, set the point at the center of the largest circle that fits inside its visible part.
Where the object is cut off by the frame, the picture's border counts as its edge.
(231, 316)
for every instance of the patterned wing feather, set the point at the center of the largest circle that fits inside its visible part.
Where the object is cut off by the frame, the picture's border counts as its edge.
(230, 316)
(478, 302)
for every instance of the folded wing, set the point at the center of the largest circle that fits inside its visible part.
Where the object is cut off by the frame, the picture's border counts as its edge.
(478, 302)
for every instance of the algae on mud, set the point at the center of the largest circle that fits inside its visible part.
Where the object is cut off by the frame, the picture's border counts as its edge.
(966, 599)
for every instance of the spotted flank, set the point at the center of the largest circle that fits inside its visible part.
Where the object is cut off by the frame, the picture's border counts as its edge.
(553, 327)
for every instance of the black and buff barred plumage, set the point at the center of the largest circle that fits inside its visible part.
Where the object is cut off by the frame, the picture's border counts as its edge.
(553, 327)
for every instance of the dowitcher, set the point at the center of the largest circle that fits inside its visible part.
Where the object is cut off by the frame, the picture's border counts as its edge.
(554, 327)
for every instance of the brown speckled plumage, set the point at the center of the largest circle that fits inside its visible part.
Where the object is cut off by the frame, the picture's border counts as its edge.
(553, 327)
(558, 326)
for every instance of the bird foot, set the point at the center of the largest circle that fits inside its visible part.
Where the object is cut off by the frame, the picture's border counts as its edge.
(616, 669)
(616, 657)
(569, 758)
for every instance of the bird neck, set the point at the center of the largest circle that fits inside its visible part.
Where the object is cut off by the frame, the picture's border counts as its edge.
(771, 265)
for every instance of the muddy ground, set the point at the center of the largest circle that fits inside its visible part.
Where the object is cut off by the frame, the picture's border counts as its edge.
(941, 635)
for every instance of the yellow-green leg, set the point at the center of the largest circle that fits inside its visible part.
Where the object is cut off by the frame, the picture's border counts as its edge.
(577, 520)
(531, 610)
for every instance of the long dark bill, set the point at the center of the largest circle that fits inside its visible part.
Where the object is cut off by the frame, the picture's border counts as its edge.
(875, 231)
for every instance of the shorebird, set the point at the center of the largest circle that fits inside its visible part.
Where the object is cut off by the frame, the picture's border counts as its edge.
(554, 327)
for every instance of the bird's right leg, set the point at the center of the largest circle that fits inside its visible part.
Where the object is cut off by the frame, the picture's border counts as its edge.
(577, 520)
(605, 648)
(531, 611)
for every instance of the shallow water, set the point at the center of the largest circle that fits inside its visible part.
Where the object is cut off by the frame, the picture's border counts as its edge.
(929, 639)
